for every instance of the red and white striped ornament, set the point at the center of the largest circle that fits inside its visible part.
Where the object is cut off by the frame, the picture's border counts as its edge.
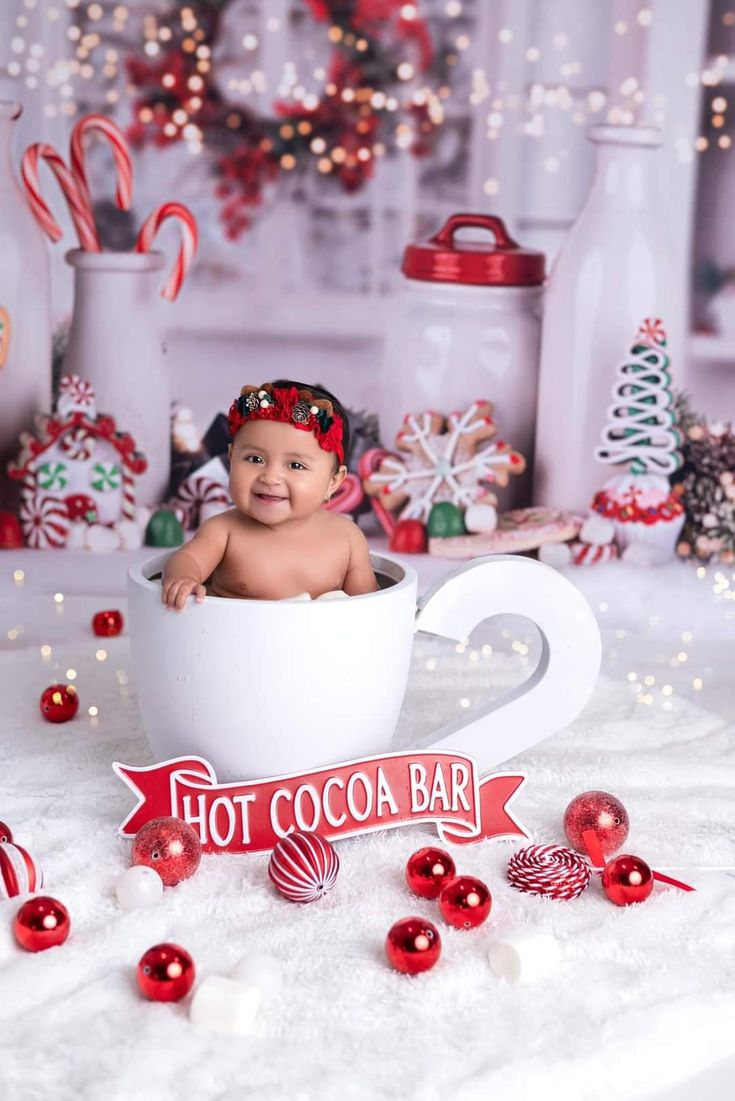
(78, 444)
(100, 124)
(45, 521)
(196, 492)
(19, 872)
(584, 554)
(550, 870)
(189, 242)
(303, 866)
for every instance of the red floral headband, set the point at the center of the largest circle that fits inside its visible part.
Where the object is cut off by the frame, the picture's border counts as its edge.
(287, 404)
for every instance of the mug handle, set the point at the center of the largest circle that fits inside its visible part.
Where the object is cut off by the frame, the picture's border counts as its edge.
(565, 676)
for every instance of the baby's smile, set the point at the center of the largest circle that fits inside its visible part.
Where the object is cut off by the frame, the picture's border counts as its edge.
(270, 498)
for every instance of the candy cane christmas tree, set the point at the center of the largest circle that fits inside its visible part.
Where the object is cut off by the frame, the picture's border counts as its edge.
(641, 432)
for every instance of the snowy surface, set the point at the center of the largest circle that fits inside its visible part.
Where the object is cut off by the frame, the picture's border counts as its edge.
(644, 999)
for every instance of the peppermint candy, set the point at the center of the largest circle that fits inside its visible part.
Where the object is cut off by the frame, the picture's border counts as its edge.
(19, 873)
(549, 870)
(105, 477)
(78, 444)
(651, 332)
(45, 521)
(586, 554)
(52, 475)
(303, 866)
(76, 395)
(196, 492)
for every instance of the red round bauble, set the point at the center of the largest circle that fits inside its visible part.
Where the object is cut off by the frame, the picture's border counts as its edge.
(409, 537)
(465, 902)
(19, 872)
(5, 833)
(303, 866)
(170, 846)
(600, 812)
(41, 923)
(627, 879)
(11, 533)
(59, 703)
(413, 945)
(108, 624)
(166, 973)
(428, 870)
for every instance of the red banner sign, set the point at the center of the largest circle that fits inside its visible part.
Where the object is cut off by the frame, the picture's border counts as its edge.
(374, 793)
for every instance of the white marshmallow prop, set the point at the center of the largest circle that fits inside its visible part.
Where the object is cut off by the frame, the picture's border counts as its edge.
(225, 1005)
(597, 530)
(525, 957)
(262, 971)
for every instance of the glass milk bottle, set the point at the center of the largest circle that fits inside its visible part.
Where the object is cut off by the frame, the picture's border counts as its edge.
(114, 343)
(466, 325)
(612, 273)
(25, 312)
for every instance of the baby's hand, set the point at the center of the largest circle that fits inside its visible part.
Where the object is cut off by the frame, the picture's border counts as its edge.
(175, 592)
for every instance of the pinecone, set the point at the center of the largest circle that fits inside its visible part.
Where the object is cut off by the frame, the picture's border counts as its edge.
(706, 483)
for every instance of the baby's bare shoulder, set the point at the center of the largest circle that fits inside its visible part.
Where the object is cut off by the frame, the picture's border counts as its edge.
(336, 525)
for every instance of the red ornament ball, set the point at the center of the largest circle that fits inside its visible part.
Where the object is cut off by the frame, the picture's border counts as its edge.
(627, 879)
(108, 624)
(170, 846)
(41, 923)
(600, 812)
(19, 873)
(409, 537)
(59, 703)
(303, 867)
(413, 945)
(465, 902)
(11, 533)
(5, 833)
(428, 870)
(166, 973)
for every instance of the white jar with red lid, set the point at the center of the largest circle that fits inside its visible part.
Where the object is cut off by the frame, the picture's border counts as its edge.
(465, 326)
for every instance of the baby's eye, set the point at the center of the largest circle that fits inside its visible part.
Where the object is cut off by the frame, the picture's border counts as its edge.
(253, 459)
(296, 465)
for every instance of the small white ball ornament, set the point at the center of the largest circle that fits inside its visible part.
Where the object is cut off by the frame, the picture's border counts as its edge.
(139, 887)
(480, 517)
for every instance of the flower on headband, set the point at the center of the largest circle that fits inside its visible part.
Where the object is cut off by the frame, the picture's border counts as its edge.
(289, 405)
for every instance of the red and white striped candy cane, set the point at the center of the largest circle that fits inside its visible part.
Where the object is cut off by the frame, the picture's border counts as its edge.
(79, 208)
(100, 124)
(189, 242)
(128, 494)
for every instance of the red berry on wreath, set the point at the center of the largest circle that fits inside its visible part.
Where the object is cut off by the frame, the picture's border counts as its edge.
(409, 537)
(166, 973)
(59, 703)
(108, 624)
(413, 945)
(627, 879)
(170, 846)
(428, 870)
(601, 813)
(41, 923)
(465, 902)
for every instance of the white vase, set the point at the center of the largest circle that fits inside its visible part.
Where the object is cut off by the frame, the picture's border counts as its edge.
(114, 343)
(612, 272)
(25, 314)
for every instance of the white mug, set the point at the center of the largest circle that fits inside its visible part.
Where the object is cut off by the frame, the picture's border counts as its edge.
(264, 688)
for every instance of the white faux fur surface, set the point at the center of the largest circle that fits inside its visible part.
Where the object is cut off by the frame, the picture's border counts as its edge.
(644, 999)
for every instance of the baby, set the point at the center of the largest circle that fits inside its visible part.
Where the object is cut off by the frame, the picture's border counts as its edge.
(287, 457)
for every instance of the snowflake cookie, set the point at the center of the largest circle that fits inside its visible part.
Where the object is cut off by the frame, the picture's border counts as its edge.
(454, 458)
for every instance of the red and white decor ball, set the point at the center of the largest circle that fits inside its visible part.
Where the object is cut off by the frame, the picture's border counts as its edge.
(108, 624)
(601, 813)
(170, 846)
(5, 833)
(165, 973)
(303, 866)
(59, 703)
(549, 870)
(627, 879)
(41, 923)
(19, 872)
(465, 902)
(413, 945)
(427, 870)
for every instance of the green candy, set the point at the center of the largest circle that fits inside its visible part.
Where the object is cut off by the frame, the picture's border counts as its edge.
(164, 530)
(445, 519)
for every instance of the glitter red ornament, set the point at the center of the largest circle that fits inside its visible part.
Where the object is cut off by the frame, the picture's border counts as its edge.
(108, 624)
(465, 902)
(41, 923)
(427, 870)
(413, 945)
(627, 879)
(166, 973)
(59, 703)
(170, 846)
(5, 833)
(303, 866)
(601, 813)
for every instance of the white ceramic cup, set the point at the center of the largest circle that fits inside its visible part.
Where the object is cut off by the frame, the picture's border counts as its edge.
(265, 688)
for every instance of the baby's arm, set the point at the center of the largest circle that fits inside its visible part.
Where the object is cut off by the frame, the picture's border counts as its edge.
(360, 577)
(188, 568)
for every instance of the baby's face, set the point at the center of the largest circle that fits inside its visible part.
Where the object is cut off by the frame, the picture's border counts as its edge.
(280, 473)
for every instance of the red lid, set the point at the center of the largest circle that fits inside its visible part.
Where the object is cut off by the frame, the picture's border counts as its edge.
(441, 259)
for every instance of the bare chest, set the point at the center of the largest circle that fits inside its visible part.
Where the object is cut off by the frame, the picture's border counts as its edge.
(268, 567)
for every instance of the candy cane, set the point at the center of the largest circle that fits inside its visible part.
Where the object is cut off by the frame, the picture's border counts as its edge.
(79, 208)
(123, 165)
(189, 241)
